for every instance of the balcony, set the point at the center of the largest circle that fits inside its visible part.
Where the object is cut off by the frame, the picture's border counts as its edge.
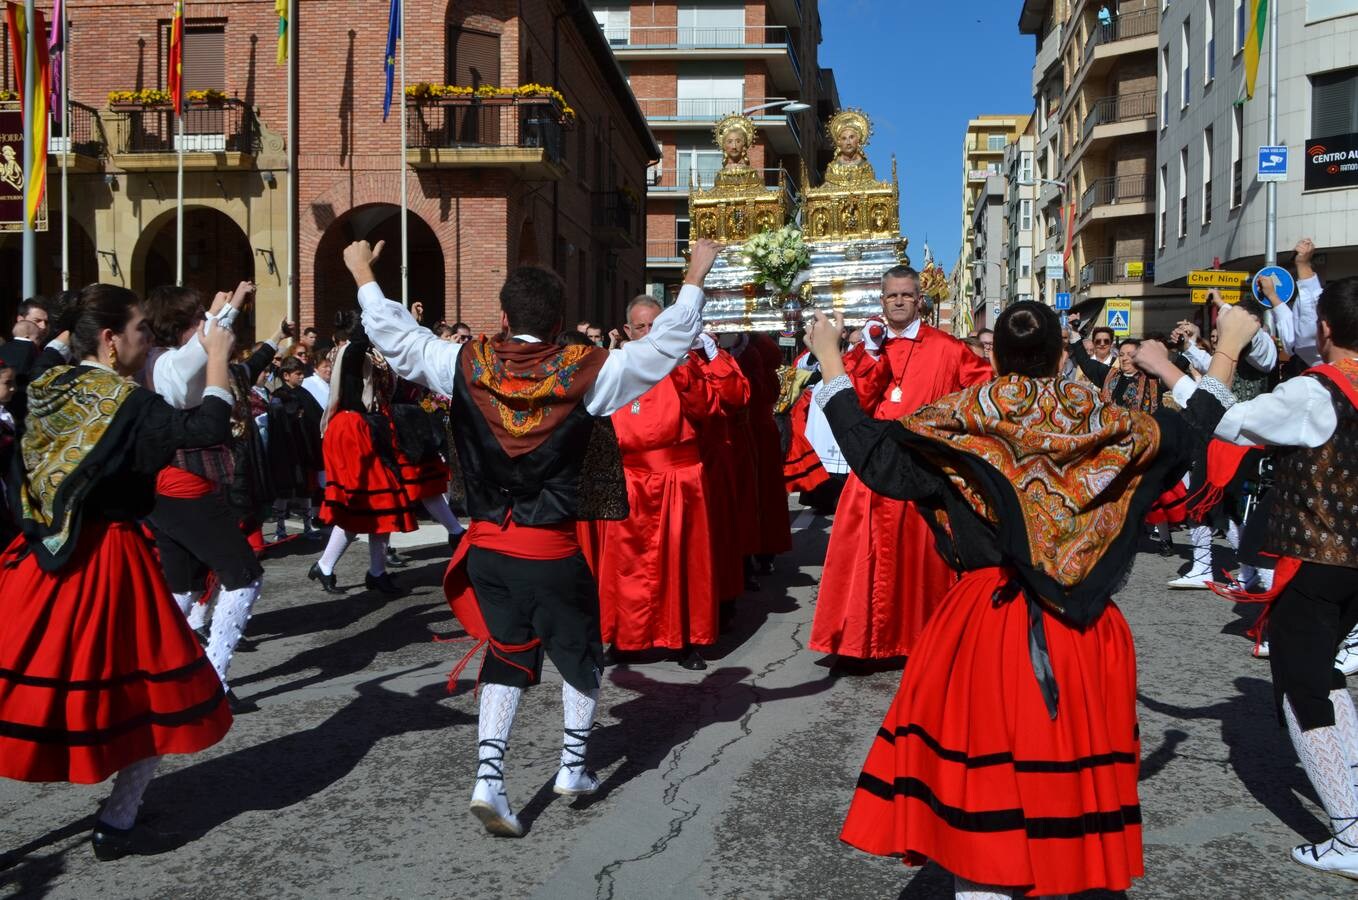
(523, 135)
(1121, 270)
(666, 253)
(614, 218)
(1129, 33)
(215, 137)
(1123, 195)
(83, 144)
(789, 12)
(675, 183)
(1047, 57)
(1116, 117)
(770, 43)
(701, 113)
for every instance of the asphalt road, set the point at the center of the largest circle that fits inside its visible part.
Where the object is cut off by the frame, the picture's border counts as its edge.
(352, 778)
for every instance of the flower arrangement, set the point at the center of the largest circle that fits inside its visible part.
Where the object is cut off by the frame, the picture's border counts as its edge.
(425, 91)
(777, 257)
(159, 97)
(934, 283)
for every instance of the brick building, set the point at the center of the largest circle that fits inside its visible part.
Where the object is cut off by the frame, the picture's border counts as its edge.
(691, 62)
(493, 182)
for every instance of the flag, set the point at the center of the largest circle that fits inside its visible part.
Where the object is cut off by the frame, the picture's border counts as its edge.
(35, 155)
(1254, 42)
(281, 7)
(174, 75)
(1070, 239)
(56, 46)
(393, 35)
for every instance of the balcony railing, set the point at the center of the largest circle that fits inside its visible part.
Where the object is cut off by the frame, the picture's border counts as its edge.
(614, 216)
(1117, 270)
(1128, 25)
(472, 123)
(700, 37)
(705, 109)
(226, 128)
(82, 133)
(686, 178)
(1123, 108)
(1118, 189)
(666, 248)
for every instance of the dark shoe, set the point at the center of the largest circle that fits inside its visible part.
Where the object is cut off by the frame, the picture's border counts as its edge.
(382, 583)
(1166, 549)
(111, 843)
(690, 659)
(238, 706)
(395, 559)
(608, 658)
(329, 583)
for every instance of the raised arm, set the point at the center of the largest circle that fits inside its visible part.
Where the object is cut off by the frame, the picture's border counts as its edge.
(1307, 344)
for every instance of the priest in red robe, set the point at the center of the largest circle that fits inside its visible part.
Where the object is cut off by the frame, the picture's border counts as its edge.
(883, 572)
(724, 473)
(759, 359)
(657, 584)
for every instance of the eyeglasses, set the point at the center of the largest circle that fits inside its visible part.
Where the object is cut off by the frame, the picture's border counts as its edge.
(1102, 342)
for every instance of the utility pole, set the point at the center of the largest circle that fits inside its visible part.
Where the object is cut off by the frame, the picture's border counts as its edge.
(1271, 188)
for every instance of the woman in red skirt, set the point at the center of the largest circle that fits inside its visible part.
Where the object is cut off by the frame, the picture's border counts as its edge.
(99, 672)
(1010, 753)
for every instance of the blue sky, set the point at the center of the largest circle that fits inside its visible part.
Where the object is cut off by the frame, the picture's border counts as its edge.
(920, 70)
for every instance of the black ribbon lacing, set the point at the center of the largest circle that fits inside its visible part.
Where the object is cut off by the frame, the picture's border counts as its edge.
(1038, 652)
(495, 763)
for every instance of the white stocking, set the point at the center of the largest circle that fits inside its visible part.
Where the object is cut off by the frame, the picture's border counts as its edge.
(577, 709)
(438, 508)
(228, 624)
(970, 890)
(120, 810)
(499, 703)
(334, 549)
(1200, 536)
(1322, 755)
(377, 554)
(184, 600)
(198, 615)
(1346, 721)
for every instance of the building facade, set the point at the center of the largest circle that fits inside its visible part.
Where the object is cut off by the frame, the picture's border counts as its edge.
(1022, 251)
(495, 180)
(982, 158)
(1210, 207)
(692, 62)
(989, 288)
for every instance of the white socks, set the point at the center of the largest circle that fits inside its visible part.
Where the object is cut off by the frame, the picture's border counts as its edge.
(438, 508)
(197, 615)
(1346, 722)
(577, 709)
(1200, 536)
(334, 549)
(377, 554)
(499, 703)
(1326, 761)
(228, 624)
(120, 810)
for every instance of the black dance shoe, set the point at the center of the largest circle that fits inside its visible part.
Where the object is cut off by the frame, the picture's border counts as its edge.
(329, 583)
(692, 660)
(238, 706)
(395, 559)
(382, 583)
(1166, 549)
(111, 843)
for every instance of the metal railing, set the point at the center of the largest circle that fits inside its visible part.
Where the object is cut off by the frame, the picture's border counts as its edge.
(1117, 189)
(615, 210)
(685, 178)
(226, 128)
(522, 122)
(1128, 25)
(1122, 108)
(706, 109)
(666, 248)
(699, 36)
(82, 133)
(1116, 270)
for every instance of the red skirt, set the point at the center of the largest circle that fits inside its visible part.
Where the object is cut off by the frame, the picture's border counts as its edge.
(969, 770)
(98, 668)
(802, 468)
(422, 480)
(1170, 508)
(362, 495)
(883, 578)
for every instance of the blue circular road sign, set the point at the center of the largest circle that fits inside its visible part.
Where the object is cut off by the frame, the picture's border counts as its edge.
(1285, 283)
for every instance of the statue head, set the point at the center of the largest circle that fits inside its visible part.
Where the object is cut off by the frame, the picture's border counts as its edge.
(735, 135)
(849, 131)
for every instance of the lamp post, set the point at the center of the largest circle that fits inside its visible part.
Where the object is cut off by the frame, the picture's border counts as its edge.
(788, 106)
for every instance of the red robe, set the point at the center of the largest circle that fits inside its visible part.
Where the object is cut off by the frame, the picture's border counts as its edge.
(883, 575)
(723, 473)
(772, 528)
(657, 586)
(802, 468)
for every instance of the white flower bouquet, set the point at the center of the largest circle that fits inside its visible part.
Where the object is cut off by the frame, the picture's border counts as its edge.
(777, 257)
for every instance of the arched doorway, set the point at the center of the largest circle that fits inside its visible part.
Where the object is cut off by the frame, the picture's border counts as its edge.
(217, 257)
(379, 222)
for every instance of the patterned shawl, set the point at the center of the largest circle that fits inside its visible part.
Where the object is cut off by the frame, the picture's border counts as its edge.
(1140, 391)
(1046, 462)
(525, 390)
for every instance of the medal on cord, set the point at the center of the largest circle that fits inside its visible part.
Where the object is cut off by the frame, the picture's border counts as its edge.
(896, 394)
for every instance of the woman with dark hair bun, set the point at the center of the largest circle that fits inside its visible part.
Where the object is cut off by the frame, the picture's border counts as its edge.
(99, 673)
(1010, 753)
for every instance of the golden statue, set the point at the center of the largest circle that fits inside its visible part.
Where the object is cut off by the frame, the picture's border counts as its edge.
(849, 132)
(739, 204)
(735, 136)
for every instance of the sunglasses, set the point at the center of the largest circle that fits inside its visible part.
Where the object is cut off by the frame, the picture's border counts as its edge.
(1102, 342)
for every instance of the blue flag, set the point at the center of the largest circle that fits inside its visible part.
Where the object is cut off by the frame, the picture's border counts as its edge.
(393, 35)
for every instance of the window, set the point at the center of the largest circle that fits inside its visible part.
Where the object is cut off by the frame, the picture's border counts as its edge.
(681, 233)
(204, 56)
(616, 21)
(710, 90)
(1026, 166)
(696, 165)
(1186, 81)
(1183, 192)
(473, 57)
(1025, 261)
(1334, 103)
(1238, 28)
(995, 142)
(1237, 155)
(1164, 86)
(1025, 215)
(1207, 176)
(1161, 209)
(712, 24)
(1209, 42)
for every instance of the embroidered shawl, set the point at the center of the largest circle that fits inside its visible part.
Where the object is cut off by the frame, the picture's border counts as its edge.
(1140, 392)
(525, 390)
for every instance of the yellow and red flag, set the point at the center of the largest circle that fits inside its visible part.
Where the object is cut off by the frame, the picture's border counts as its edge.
(1254, 42)
(35, 155)
(174, 75)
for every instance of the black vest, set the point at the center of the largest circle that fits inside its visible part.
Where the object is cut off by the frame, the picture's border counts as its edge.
(575, 474)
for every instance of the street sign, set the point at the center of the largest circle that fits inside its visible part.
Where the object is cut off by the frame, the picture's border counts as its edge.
(1063, 300)
(1215, 278)
(1283, 282)
(1118, 316)
(1054, 261)
(1228, 295)
(1272, 164)
(1055, 273)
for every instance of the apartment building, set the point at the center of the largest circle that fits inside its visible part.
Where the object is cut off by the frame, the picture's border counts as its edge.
(1105, 63)
(1209, 205)
(1024, 243)
(989, 233)
(691, 62)
(495, 180)
(983, 150)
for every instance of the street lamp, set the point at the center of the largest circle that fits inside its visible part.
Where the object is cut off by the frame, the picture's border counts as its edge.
(1033, 182)
(788, 106)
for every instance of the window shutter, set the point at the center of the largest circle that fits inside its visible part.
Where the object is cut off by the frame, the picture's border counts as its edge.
(473, 58)
(204, 59)
(1334, 107)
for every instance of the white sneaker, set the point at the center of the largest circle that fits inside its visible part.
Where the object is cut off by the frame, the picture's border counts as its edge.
(491, 807)
(1260, 651)
(575, 782)
(1331, 856)
(1191, 581)
(1346, 660)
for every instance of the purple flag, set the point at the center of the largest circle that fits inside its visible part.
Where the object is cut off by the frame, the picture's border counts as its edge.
(56, 49)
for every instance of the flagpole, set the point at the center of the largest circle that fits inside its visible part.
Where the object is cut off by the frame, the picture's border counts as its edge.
(1271, 188)
(66, 152)
(293, 304)
(30, 237)
(401, 98)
